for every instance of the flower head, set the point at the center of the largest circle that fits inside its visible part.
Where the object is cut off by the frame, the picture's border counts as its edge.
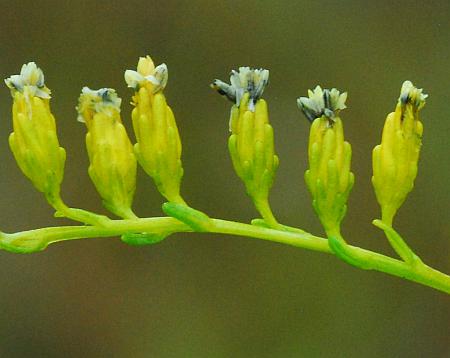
(96, 101)
(395, 159)
(158, 147)
(411, 94)
(34, 141)
(112, 162)
(324, 102)
(147, 74)
(30, 79)
(245, 80)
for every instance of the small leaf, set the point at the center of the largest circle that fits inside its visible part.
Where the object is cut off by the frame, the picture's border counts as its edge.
(140, 239)
(197, 220)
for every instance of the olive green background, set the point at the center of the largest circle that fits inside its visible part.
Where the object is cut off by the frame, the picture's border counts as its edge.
(197, 295)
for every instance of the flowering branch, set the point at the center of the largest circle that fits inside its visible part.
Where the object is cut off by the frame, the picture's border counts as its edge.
(113, 164)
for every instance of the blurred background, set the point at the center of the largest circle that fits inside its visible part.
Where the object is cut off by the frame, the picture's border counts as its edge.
(197, 295)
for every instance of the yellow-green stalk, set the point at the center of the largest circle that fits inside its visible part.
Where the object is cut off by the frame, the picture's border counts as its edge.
(328, 178)
(112, 162)
(34, 141)
(158, 147)
(395, 159)
(251, 142)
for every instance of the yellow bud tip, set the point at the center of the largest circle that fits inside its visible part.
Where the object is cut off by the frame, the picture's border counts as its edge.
(29, 81)
(147, 75)
(90, 102)
(245, 80)
(145, 66)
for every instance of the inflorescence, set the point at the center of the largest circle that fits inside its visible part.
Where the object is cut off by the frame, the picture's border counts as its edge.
(114, 158)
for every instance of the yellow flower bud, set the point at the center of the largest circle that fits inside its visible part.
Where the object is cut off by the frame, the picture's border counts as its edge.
(251, 142)
(395, 159)
(112, 162)
(328, 178)
(34, 140)
(158, 147)
(145, 66)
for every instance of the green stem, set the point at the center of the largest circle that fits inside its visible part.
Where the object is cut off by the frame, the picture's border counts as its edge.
(38, 239)
(264, 209)
(368, 260)
(262, 223)
(80, 215)
(34, 240)
(176, 199)
(397, 242)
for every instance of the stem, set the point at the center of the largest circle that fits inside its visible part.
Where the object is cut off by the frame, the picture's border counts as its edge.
(176, 199)
(303, 240)
(420, 273)
(112, 228)
(80, 215)
(397, 242)
(264, 209)
(262, 223)
(127, 214)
